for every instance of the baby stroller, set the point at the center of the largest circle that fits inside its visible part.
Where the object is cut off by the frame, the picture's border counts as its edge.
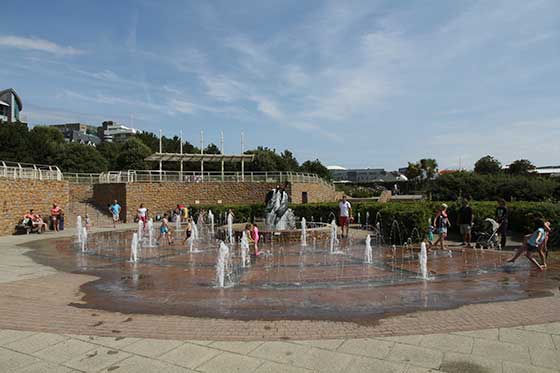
(488, 238)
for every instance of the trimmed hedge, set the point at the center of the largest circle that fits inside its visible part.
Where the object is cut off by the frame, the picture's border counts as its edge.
(408, 215)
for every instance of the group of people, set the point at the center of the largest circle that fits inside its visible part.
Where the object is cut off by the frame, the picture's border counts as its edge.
(37, 223)
(536, 242)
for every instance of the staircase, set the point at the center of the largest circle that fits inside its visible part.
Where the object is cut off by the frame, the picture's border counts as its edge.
(98, 217)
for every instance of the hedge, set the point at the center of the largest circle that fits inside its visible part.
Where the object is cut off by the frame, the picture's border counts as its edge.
(408, 215)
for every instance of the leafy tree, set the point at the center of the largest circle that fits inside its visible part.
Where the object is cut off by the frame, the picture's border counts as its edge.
(487, 165)
(290, 162)
(413, 170)
(74, 157)
(521, 167)
(212, 149)
(14, 143)
(430, 166)
(265, 160)
(45, 142)
(316, 167)
(425, 168)
(110, 151)
(132, 155)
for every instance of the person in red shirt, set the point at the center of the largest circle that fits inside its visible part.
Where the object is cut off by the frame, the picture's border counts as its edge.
(55, 216)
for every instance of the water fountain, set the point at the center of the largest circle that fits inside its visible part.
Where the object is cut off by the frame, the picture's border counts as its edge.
(211, 220)
(359, 219)
(368, 256)
(230, 228)
(334, 239)
(84, 239)
(79, 229)
(303, 232)
(367, 219)
(194, 238)
(178, 227)
(423, 261)
(140, 229)
(245, 258)
(365, 278)
(134, 248)
(222, 264)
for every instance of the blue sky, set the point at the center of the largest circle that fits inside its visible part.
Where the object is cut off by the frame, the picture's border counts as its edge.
(353, 83)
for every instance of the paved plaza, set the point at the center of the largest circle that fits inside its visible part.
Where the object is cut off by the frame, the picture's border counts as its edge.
(44, 329)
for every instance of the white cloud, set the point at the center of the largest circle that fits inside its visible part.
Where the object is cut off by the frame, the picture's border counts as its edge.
(38, 45)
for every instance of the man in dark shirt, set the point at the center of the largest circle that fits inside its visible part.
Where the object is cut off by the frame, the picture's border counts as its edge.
(502, 219)
(466, 220)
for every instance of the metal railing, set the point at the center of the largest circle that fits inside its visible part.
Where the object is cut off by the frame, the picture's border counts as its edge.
(155, 176)
(45, 172)
(15, 170)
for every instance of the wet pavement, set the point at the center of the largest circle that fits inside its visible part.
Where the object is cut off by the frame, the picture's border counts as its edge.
(290, 282)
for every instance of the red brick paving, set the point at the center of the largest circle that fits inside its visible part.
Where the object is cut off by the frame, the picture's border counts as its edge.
(42, 305)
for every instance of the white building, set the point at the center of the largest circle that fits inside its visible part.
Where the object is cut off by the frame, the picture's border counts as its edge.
(114, 132)
(10, 106)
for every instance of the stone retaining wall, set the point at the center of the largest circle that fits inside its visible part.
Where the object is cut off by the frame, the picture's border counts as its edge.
(316, 193)
(18, 196)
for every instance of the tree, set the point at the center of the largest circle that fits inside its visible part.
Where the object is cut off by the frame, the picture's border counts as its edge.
(487, 165)
(316, 167)
(132, 155)
(14, 143)
(265, 160)
(413, 171)
(110, 151)
(74, 157)
(425, 168)
(290, 162)
(521, 167)
(45, 142)
(430, 166)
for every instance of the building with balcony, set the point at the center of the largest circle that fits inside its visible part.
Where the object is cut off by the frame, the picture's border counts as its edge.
(114, 132)
(10, 106)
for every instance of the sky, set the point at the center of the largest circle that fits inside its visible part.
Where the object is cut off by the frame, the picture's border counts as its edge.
(354, 83)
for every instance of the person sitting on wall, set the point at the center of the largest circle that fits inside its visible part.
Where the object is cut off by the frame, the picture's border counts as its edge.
(39, 224)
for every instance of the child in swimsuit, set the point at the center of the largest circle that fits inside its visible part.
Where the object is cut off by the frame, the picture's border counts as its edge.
(188, 232)
(164, 229)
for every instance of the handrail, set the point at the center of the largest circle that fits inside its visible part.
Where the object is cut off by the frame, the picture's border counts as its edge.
(15, 170)
(46, 172)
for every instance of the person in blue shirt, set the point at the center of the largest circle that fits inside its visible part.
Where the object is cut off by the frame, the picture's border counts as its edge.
(534, 242)
(115, 210)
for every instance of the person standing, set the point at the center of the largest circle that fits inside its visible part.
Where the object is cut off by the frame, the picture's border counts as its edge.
(502, 219)
(441, 222)
(466, 219)
(115, 209)
(143, 214)
(55, 216)
(345, 213)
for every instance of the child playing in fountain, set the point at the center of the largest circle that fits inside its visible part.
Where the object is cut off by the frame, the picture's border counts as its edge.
(249, 234)
(534, 243)
(88, 223)
(188, 232)
(255, 237)
(164, 229)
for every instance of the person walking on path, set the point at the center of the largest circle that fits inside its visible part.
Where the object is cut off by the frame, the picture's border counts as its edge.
(441, 222)
(115, 209)
(345, 214)
(502, 219)
(466, 219)
(55, 216)
(534, 243)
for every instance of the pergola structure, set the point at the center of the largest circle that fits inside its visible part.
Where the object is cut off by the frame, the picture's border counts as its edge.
(182, 157)
(223, 158)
